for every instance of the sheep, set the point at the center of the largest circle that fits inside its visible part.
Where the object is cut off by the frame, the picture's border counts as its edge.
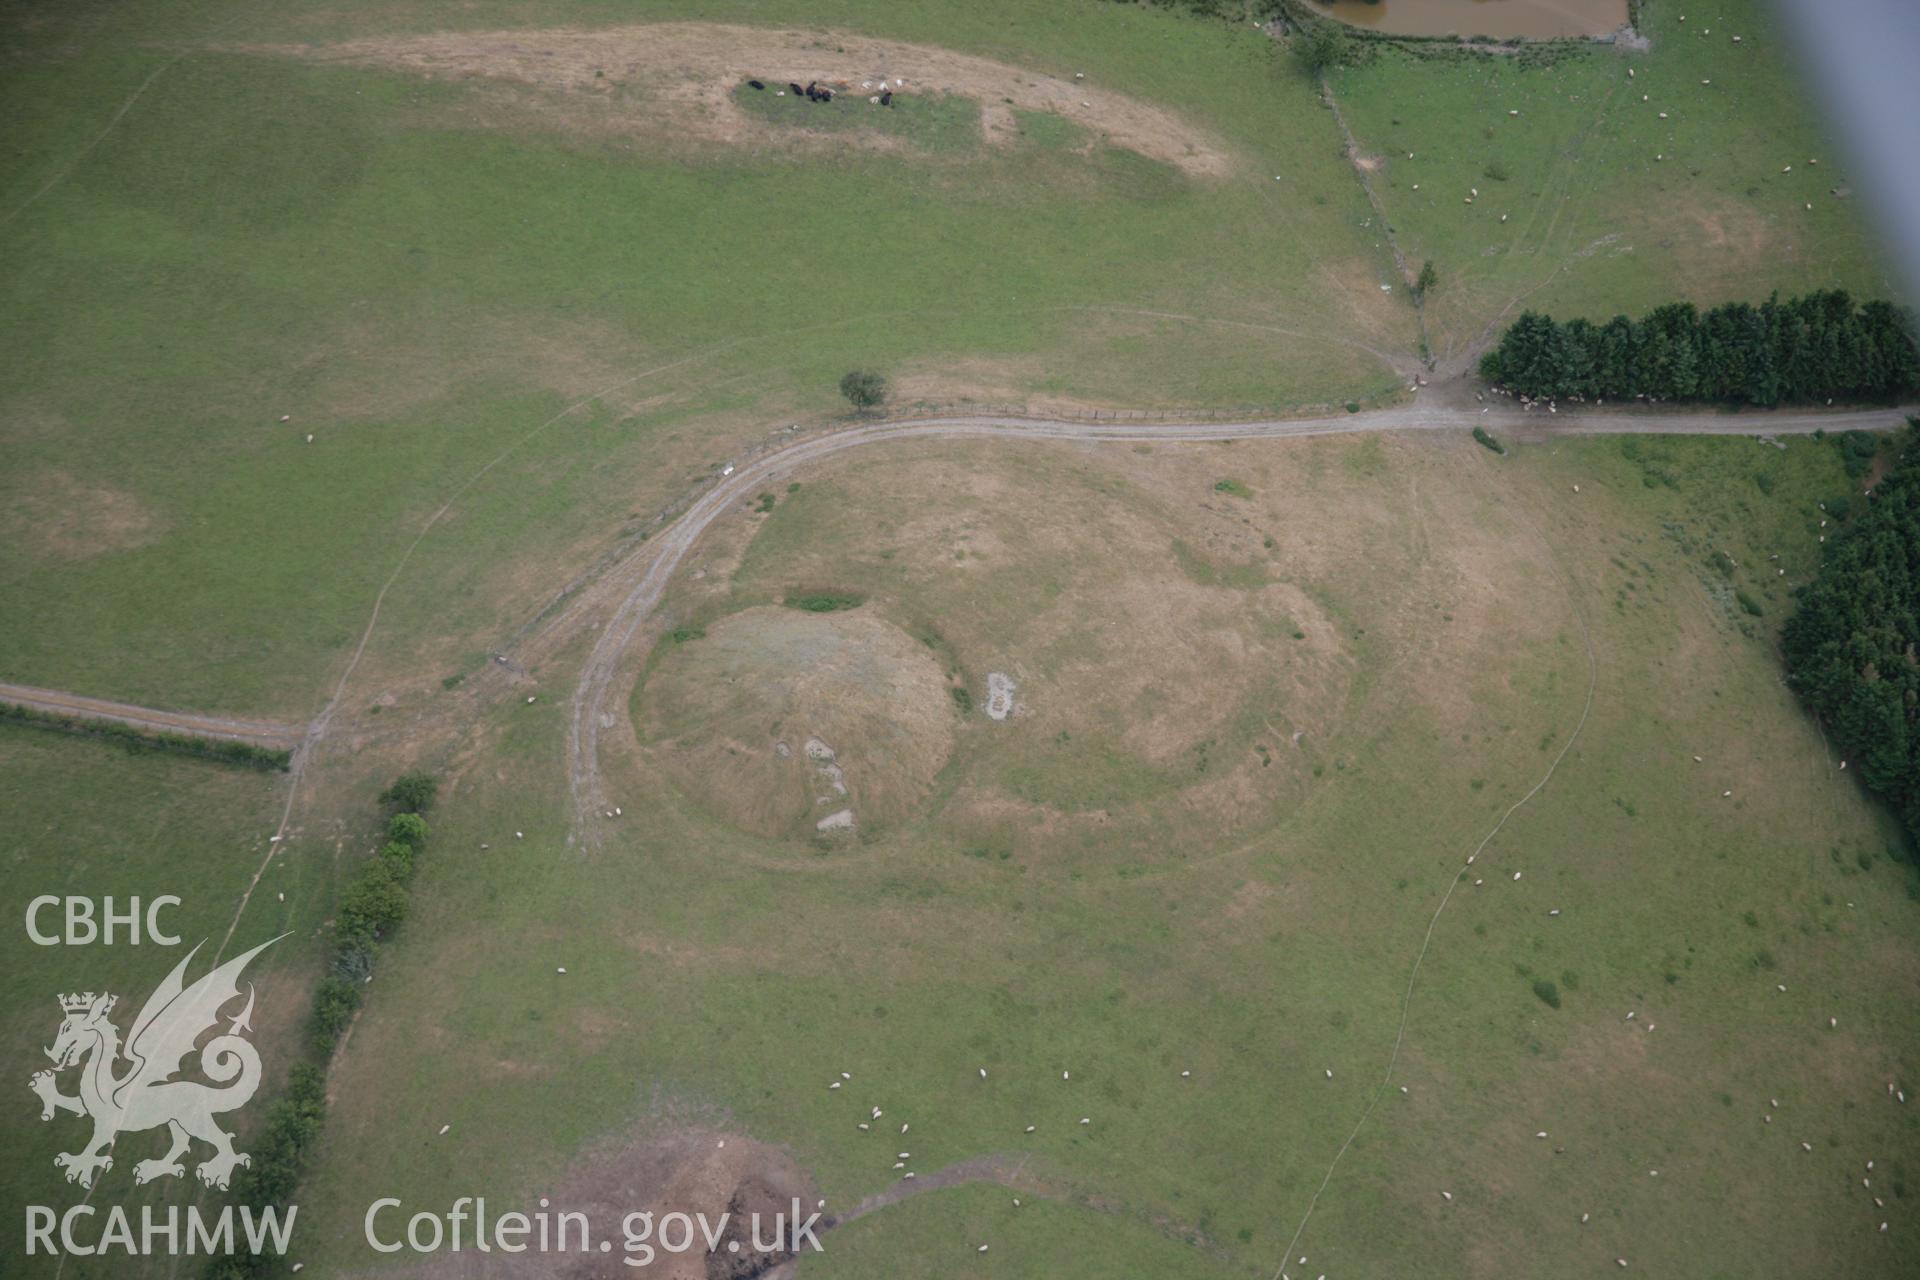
(983, 1073)
(1329, 1073)
(886, 99)
(1516, 875)
(834, 1085)
(1447, 1196)
(1066, 1075)
(1541, 1134)
(1806, 1146)
(756, 84)
(1086, 1119)
(864, 1127)
(1584, 1217)
(982, 1249)
(797, 90)
(1030, 1128)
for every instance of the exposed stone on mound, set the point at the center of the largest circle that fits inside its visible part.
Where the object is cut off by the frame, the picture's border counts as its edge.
(999, 695)
(867, 704)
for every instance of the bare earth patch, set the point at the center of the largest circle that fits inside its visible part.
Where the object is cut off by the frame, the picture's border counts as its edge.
(675, 80)
(65, 519)
(691, 1170)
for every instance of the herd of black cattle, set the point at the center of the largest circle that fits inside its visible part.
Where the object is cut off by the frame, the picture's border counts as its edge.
(817, 92)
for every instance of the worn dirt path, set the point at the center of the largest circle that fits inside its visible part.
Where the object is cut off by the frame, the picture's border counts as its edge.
(260, 733)
(638, 580)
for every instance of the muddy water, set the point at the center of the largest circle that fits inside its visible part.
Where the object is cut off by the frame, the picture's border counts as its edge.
(1525, 19)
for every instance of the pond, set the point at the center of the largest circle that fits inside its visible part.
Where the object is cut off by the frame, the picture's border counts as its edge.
(1506, 19)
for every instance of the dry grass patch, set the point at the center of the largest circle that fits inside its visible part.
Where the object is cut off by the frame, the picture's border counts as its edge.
(675, 81)
(66, 519)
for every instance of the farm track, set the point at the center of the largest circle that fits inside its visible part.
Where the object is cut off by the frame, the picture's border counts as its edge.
(638, 580)
(259, 733)
(629, 587)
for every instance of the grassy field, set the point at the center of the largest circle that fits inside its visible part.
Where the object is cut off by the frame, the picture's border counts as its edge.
(259, 236)
(1593, 202)
(1254, 924)
(1270, 696)
(87, 819)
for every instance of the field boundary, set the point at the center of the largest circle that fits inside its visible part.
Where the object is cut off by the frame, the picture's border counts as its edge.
(222, 750)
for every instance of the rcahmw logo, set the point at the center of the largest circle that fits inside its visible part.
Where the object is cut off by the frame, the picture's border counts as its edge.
(128, 1087)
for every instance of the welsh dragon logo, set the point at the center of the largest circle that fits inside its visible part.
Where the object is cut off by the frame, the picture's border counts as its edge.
(145, 1095)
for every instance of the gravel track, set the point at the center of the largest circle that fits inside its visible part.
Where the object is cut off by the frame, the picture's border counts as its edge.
(640, 579)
